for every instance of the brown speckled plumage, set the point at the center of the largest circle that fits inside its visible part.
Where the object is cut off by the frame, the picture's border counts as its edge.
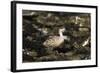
(55, 41)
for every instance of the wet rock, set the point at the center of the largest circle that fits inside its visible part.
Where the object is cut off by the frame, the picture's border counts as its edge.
(74, 57)
(69, 53)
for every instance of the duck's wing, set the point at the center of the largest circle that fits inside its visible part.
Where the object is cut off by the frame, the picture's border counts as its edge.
(53, 41)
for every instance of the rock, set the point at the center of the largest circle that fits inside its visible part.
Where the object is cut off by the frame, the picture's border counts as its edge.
(69, 53)
(29, 38)
(74, 57)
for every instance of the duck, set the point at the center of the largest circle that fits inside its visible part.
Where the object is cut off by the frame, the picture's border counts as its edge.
(55, 41)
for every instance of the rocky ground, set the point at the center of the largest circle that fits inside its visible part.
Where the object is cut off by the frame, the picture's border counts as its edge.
(39, 25)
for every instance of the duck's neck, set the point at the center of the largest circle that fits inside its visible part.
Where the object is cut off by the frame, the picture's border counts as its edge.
(62, 36)
(60, 33)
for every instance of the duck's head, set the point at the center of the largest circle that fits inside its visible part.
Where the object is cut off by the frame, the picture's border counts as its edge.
(62, 29)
